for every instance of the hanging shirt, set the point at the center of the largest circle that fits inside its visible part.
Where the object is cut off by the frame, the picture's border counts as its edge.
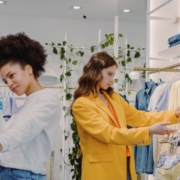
(28, 137)
(162, 103)
(144, 154)
(174, 100)
(155, 96)
(10, 107)
(143, 96)
(1, 109)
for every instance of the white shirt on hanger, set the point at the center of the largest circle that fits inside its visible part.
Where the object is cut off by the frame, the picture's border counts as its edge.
(28, 137)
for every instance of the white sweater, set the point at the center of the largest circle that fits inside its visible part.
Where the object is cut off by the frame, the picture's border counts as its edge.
(28, 137)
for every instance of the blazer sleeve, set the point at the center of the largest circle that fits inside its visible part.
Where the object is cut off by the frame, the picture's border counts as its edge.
(93, 124)
(137, 118)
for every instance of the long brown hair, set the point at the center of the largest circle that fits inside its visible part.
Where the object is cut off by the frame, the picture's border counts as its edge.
(92, 74)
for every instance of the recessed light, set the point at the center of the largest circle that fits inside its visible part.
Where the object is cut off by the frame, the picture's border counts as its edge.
(76, 7)
(1, 2)
(126, 10)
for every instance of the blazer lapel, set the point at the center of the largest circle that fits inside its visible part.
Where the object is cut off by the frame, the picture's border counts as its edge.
(117, 109)
(101, 105)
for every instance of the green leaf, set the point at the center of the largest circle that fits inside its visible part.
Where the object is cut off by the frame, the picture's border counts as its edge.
(62, 57)
(126, 76)
(132, 47)
(46, 43)
(77, 53)
(64, 43)
(128, 60)
(116, 80)
(68, 96)
(71, 49)
(61, 66)
(128, 53)
(66, 114)
(65, 90)
(111, 42)
(106, 36)
(123, 63)
(55, 50)
(52, 44)
(120, 35)
(59, 44)
(68, 73)
(74, 62)
(107, 43)
(103, 46)
(64, 108)
(81, 53)
(92, 49)
(61, 77)
(128, 46)
(137, 54)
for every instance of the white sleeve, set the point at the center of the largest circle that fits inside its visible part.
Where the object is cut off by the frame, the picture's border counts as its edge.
(42, 113)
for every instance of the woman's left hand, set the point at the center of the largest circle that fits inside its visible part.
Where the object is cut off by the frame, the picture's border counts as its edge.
(177, 112)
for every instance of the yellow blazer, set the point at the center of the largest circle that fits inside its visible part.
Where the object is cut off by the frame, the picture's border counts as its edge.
(103, 144)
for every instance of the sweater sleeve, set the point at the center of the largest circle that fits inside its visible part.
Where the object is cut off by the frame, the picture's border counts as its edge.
(38, 117)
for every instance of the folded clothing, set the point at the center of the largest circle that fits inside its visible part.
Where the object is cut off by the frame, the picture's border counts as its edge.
(174, 44)
(174, 39)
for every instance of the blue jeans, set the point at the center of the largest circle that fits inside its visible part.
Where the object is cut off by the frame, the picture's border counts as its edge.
(17, 174)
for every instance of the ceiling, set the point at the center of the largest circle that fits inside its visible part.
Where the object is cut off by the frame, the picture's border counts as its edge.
(93, 9)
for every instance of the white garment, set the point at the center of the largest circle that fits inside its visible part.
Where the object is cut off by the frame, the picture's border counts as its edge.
(155, 96)
(28, 137)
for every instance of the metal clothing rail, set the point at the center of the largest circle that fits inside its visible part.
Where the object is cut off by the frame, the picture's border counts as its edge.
(155, 70)
(70, 87)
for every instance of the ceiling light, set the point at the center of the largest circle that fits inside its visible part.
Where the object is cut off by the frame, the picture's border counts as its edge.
(76, 7)
(1, 2)
(126, 10)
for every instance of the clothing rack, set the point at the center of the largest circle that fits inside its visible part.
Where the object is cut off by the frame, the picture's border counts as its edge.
(156, 70)
(70, 87)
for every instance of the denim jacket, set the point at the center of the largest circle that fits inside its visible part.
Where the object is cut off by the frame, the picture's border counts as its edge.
(144, 154)
(143, 96)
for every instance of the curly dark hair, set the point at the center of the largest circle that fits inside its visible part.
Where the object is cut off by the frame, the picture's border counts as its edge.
(20, 49)
(92, 74)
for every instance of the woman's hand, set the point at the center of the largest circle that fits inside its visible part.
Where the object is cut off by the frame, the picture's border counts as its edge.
(1, 147)
(161, 129)
(177, 112)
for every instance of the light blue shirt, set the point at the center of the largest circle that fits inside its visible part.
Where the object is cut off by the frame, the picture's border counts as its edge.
(162, 103)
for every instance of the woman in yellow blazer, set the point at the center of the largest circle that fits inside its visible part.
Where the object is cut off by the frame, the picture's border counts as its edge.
(102, 117)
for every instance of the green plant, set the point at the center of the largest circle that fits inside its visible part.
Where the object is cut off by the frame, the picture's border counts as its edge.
(68, 61)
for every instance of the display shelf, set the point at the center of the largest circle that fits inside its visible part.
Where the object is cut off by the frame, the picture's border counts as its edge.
(171, 53)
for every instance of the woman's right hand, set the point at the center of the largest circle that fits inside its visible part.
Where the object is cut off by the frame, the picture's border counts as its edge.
(161, 129)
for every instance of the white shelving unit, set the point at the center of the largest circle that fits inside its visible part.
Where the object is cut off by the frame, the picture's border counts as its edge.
(171, 53)
(161, 24)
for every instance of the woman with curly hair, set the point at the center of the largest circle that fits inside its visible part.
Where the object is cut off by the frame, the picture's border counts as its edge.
(102, 117)
(27, 139)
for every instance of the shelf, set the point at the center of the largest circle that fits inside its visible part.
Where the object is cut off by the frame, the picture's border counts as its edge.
(171, 53)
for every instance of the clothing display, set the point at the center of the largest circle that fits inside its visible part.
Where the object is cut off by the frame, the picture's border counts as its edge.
(144, 154)
(166, 152)
(174, 44)
(174, 39)
(28, 137)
